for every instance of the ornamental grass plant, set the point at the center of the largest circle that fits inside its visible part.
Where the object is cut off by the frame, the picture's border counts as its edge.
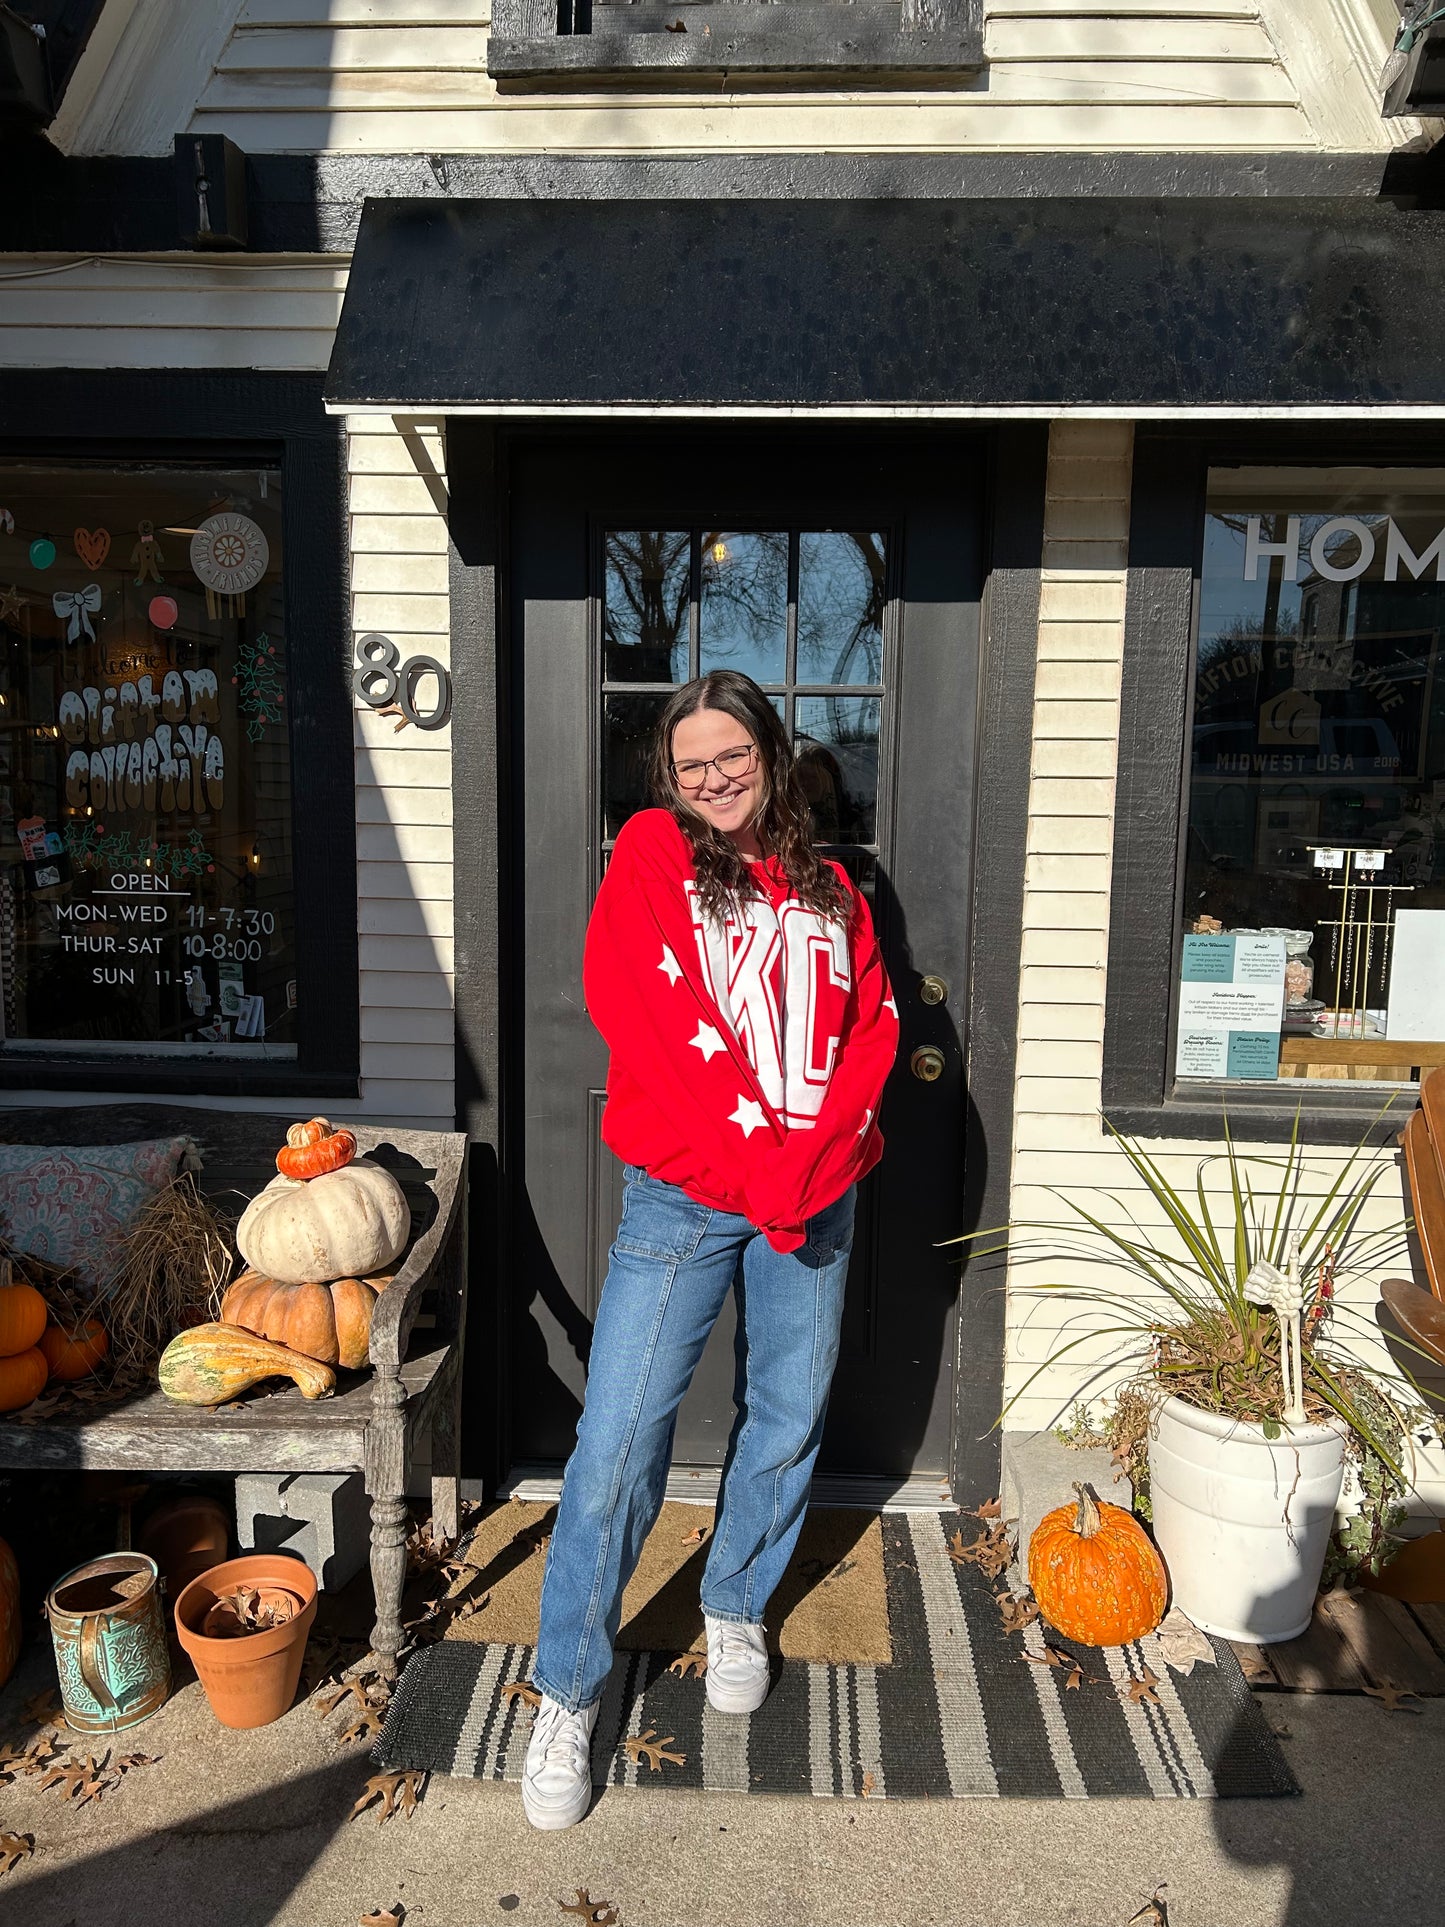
(1175, 1299)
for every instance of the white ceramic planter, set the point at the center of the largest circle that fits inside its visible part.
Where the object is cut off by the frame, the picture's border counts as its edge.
(1243, 1521)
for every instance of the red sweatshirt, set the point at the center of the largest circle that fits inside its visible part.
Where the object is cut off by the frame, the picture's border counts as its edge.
(747, 1060)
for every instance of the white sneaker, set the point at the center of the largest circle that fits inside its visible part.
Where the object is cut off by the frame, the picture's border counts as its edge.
(737, 1666)
(557, 1775)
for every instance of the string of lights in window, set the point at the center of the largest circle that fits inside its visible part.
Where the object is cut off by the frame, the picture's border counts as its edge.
(1413, 77)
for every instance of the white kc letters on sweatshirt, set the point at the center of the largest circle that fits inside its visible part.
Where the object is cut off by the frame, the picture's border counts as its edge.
(780, 977)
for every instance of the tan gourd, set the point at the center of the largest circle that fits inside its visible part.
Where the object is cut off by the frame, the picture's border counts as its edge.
(210, 1364)
(344, 1224)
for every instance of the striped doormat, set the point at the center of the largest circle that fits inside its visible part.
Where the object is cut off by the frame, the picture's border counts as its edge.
(961, 1713)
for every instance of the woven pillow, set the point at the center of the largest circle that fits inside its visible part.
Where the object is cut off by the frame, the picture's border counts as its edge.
(66, 1203)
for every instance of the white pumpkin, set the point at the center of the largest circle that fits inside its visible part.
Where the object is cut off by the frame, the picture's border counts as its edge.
(344, 1224)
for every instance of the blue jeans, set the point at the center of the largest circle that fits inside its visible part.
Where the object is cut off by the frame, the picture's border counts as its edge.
(668, 1275)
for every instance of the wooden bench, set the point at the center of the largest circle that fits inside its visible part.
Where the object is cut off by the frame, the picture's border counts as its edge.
(418, 1333)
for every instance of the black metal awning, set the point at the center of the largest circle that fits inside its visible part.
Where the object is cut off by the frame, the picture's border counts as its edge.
(879, 307)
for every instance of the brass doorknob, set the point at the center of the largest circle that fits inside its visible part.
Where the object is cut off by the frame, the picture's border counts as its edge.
(926, 1063)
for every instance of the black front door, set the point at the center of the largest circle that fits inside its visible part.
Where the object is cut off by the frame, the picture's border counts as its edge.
(842, 571)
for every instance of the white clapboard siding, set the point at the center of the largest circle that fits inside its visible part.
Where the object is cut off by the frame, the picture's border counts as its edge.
(168, 312)
(403, 777)
(358, 76)
(1060, 1151)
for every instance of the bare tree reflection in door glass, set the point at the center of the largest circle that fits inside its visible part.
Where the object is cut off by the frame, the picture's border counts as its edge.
(644, 609)
(745, 603)
(840, 607)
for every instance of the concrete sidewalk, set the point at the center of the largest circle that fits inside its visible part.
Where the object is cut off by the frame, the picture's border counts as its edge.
(245, 1830)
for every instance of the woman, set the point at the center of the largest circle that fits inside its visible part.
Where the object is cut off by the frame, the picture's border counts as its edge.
(735, 976)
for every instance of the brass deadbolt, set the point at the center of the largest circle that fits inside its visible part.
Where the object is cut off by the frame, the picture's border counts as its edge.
(926, 1063)
(933, 990)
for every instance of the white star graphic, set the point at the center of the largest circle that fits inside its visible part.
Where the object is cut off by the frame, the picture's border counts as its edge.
(867, 1120)
(748, 1115)
(708, 1042)
(670, 965)
(888, 1004)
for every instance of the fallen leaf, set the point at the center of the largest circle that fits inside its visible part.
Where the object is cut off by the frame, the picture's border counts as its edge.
(366, 1726)
(1154, 1912)
(39, 1409)
(392, 1917)
(325, 1702)
(870, 1785)
(392, 1793)
(695, 1537)
(1051, 1656)
(43, 1710)
(1015, 1613)
(12, 1759)
(1074, 1680)
(990, 1509)
(81, 1780)
(647, 1746)
(599, 1913)
(1181, 1643)
(1141, 1691)
(520, 1690)
(1393, 1697)
(42, 1752)
(689, 1665)
(15, 1847)
(132, 1760)
(958, 1552)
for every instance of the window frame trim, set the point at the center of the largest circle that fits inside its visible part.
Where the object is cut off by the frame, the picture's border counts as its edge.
(251, 417)
(1161, 617)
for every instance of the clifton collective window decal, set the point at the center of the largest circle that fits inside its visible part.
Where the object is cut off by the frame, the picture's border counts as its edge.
(146, 903)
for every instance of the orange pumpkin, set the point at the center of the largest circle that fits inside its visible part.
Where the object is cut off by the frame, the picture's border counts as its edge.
(22, 1378)
(1096, 1574)
(23, 1314)
(73, 1352)
(312, 1149)
(330, 1323)
(10, 1624)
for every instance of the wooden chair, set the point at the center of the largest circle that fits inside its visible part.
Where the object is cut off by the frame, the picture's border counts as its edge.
(1418, 1573)
(370, 1426)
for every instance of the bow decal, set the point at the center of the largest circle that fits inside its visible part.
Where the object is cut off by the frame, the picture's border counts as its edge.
(79, 605)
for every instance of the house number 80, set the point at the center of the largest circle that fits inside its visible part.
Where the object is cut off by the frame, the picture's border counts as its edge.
(386, 685)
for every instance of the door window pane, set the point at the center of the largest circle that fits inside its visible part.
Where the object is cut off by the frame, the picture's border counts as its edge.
(145, 776)
(1317, 788)
(628, 724)
(645, 605)
(836, 742)
(745, 604)
(840, 607)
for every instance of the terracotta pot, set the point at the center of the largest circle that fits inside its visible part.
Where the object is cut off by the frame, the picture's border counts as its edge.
(251, 1680)
(186, 1536)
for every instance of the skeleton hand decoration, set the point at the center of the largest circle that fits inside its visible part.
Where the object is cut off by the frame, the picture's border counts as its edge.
(1283, 1293)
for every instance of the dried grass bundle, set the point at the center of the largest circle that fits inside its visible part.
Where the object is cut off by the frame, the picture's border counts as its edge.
(175, 1256)
(60, 1289)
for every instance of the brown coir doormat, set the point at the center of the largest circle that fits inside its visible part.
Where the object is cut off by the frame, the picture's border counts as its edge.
(831, 1608)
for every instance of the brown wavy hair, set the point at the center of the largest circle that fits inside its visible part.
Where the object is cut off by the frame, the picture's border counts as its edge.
(783, 822)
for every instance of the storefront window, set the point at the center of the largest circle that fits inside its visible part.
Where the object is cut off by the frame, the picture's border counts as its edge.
(1314, 896)
(146, 901)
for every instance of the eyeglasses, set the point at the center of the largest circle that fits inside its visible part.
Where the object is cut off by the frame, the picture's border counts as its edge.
(732, 763)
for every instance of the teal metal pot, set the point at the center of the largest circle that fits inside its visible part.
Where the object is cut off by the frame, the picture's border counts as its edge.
(109, 1634)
